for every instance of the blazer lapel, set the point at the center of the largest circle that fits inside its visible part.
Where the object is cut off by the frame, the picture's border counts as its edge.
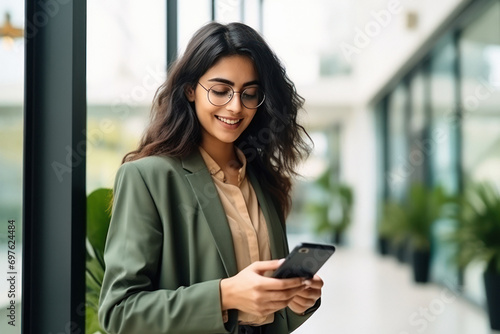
(206, 194)
(277, 237)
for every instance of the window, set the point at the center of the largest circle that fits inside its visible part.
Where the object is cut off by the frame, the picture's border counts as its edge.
(445, 127)
(11, 163)
(419, 150)
(443, 143)
(400, 168)
(480, 68)
(189, 20)
(126, 63)
(306, 35)
(479, 48)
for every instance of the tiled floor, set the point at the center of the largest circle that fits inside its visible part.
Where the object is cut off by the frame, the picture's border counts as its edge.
(368, 294)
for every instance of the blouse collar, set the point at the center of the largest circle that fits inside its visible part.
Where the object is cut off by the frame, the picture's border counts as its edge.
(217, 172)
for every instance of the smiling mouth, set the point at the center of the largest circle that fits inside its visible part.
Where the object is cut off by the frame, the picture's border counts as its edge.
(228, 121)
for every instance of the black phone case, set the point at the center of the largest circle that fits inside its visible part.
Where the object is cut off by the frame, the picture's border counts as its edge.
(304, 260)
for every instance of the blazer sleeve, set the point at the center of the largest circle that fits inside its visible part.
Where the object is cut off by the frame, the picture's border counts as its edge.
(129, 300)
(295, 320)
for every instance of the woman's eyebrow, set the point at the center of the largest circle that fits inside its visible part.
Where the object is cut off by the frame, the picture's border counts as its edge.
(229, 82)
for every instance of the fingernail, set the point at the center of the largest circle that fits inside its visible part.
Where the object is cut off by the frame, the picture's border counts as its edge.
(307, 282)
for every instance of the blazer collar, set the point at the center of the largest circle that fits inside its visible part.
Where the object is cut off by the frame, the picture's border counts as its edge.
(193, 162)
(211, 207)
(208, 198)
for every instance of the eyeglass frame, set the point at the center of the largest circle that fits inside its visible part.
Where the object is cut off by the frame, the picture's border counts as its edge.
(234, 92)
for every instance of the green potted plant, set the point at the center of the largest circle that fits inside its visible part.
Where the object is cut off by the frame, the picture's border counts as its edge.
(334, 209)
(391, 230)
(422, 208)
(98, 218)
(478, 239)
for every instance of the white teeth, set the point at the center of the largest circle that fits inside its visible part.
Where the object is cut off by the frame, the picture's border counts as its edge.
(228, 121)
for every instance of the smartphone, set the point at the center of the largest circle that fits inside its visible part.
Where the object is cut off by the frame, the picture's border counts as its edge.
(304, 260)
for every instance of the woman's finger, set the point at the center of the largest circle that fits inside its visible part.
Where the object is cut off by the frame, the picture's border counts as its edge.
(315, 283)
(261, 267)
(310, 294)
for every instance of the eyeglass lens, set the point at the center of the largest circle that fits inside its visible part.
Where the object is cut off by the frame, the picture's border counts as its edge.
(251, 97)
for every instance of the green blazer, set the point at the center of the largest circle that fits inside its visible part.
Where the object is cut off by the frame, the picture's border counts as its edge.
(169, 245)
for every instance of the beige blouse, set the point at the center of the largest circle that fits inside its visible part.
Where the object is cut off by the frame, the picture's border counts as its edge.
(246, 221)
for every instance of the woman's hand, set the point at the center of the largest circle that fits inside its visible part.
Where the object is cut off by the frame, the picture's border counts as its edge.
(307, 297)
(251, 292)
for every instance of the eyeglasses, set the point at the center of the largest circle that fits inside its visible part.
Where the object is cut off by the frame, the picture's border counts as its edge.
(221, 94)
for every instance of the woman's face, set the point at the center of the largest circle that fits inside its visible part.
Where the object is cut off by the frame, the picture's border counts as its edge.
(224, 124)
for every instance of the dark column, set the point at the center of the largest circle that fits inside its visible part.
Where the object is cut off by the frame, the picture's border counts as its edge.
(171, 31)
(54, 168)
(261, 16)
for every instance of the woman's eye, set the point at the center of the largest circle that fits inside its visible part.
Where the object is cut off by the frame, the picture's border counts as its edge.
(221, 91)
(250, 94)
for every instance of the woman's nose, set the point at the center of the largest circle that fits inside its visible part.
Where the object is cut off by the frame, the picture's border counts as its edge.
(235, 104)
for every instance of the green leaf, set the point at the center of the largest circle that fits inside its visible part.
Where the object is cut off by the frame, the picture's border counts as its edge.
(91, 322)
(478, 232)
(332, 213)
(98, 217)
(414, 218)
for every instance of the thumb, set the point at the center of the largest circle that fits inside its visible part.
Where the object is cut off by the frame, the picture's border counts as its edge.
(263, 266)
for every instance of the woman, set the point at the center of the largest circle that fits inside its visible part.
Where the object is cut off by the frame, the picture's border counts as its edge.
(199, 208)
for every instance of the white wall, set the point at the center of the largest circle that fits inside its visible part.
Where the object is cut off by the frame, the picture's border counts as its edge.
(359, 170)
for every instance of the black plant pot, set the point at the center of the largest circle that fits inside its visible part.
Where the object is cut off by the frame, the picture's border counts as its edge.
(400, 251)
(383, 245)
(492, 287)
(421, 264)
(338, 238)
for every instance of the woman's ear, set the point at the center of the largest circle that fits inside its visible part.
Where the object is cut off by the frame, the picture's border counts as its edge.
(189, 91)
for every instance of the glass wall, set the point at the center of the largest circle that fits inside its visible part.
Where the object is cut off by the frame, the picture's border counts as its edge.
(400, 169)
(11, 162)
(224, 11)
(444, 126)
(443, 144)
(443, 122)
(479, 47)
(318, 28)
(480, 84)
(418, 156)
(126, 63)
(189, 20)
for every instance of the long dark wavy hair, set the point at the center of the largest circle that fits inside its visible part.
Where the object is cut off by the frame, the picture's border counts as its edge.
(273, 143)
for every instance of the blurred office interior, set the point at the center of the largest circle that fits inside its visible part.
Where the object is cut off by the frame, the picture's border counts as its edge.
(400, 95)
